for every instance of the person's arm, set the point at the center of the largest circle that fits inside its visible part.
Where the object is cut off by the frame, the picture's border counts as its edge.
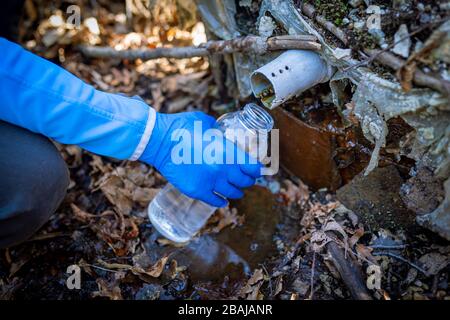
(44, 98)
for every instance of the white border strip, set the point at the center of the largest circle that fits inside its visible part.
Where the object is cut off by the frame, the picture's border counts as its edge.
(146, 135)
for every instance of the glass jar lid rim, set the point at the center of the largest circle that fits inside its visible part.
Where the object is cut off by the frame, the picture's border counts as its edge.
(255, 117)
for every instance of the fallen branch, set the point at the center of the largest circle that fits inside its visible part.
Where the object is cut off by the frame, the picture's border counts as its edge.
(350, 273)
(254, 44)
(419, 78)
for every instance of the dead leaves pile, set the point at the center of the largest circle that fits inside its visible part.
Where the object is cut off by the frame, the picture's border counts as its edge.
(124, 185)
(128, 189)
(183, 90)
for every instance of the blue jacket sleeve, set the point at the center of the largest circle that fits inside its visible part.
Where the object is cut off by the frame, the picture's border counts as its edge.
(40, 96)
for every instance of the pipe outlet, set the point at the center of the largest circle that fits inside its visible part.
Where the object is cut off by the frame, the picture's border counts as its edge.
(291, 73)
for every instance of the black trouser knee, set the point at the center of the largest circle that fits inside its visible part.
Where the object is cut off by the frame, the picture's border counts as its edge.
(33, 182)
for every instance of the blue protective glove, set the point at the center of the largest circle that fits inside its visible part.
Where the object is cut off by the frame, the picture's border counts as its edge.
(199, 181)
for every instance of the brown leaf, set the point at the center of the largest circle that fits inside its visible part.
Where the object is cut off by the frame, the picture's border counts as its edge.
(222, 218)
(251, 289)
(113, 190)
(110, 289)
(355, 237)
(279, 285)
(317, 211)
(293, 193)
(81, 215)
(157, 96)
(153, 271)
(320, 238)
(156, 270)
(365, 253)
(178, 104)
(406, 75)
(144, 195)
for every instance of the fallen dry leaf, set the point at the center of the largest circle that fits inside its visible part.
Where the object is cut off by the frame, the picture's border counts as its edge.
(153, 271)
(109, 289)
(365, 253)
(144, 195)
(113, 189)
(356, 236)
(222, 218)
(81, 215)
(295, 193)
(250, 290)
(156, 270)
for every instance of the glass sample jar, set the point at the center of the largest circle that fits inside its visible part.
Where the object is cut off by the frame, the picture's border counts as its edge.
(178, 217)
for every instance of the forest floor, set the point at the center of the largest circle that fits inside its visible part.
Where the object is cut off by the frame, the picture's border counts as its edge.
(282, 241)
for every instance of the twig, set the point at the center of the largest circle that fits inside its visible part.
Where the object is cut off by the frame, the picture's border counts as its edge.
(310, 12)
(48, 236)
(392, 247)
(392, 255)
(269, 277)
(98, 267)
(258, 45)
(311, 294)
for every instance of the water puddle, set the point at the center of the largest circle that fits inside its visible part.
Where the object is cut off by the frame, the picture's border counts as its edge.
(233, 253)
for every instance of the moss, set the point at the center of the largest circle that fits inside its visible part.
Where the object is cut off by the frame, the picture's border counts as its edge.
(361, 39)
(334, 11)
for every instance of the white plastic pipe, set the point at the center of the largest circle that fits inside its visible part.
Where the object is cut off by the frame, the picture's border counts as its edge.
(291, 73)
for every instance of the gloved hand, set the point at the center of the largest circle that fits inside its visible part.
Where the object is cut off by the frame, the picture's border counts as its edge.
(199, 181)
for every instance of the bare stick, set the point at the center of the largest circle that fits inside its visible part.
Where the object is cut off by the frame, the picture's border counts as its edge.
(350, 273)
(311, 294)
(143, 54)
(392, 247)
(310, 12)
(258, 45)
(392, 255)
